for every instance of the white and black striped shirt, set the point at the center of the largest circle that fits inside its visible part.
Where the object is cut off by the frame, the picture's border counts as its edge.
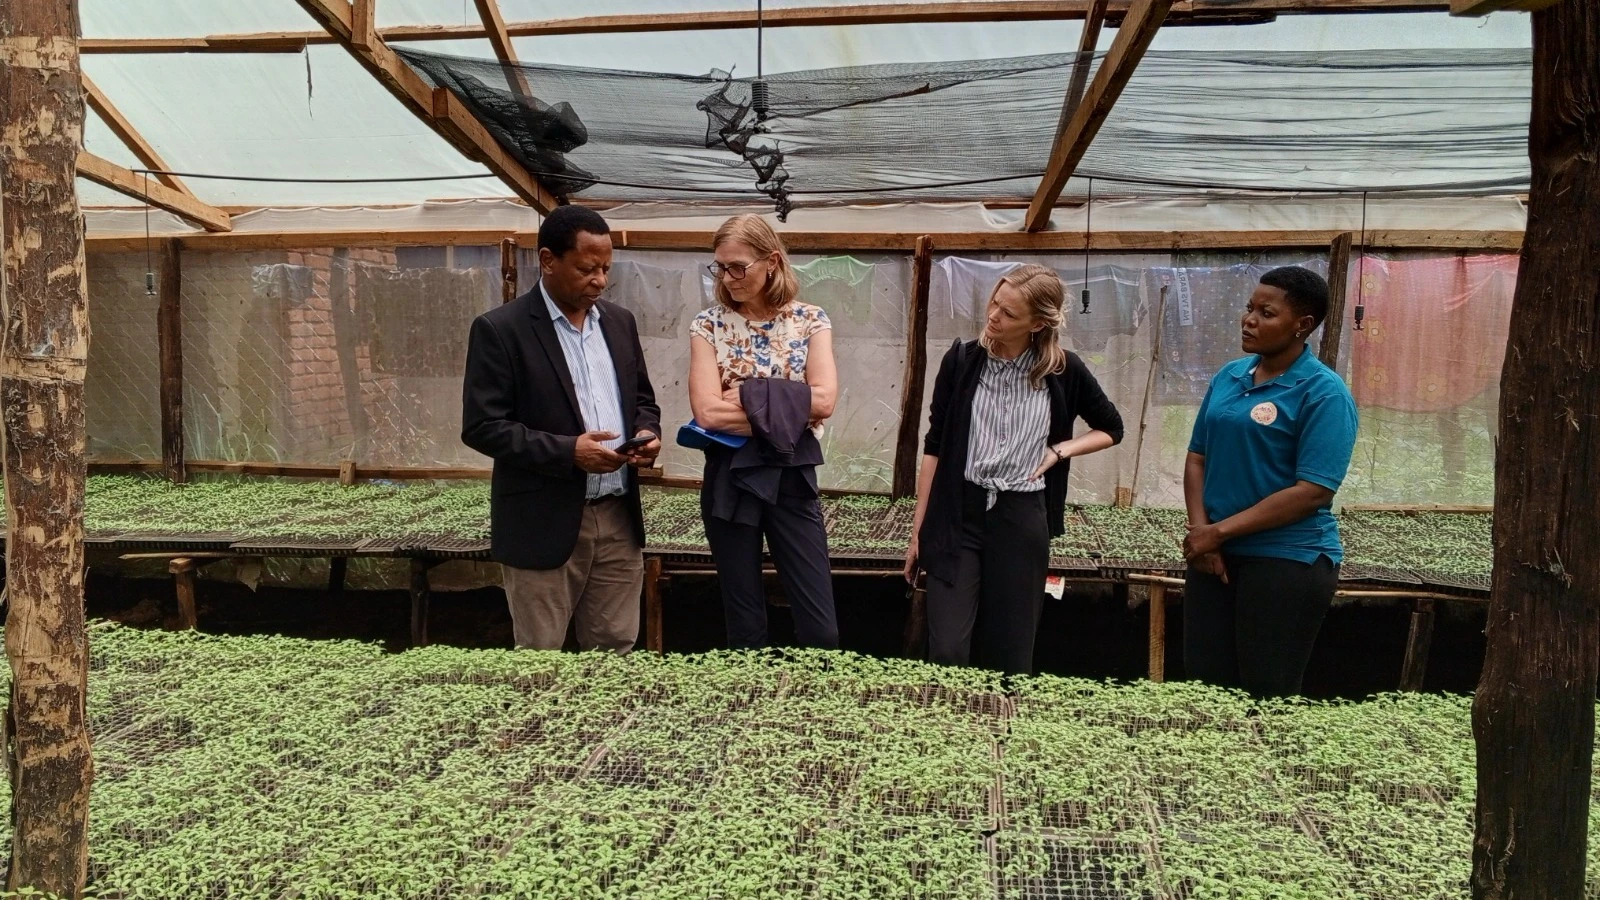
(1010, 423)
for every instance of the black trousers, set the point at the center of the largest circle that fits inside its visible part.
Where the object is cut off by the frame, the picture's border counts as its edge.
(799, 543)
(1257, 631)
(998, 591)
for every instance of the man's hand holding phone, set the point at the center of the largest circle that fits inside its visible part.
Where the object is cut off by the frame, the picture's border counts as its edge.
(641, 449)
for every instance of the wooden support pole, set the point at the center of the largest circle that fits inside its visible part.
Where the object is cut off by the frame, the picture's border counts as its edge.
(419, 602)
(352, 27)
(1192, 12)
(347, 472)
(508, 270)
(1149, 394)
(183, 579)
(147, 190)
(1474, 8)
(1533, 715)
(363, 25)
(169, 340)
(1415, 667)
(1158, 633)
(346, 337)
(1338, 290)
(495, 26)
(653, 619)
(44, 349)
(1088, 42)
(1074, 134)
(338, 567)
(130, 136)
(907, 452)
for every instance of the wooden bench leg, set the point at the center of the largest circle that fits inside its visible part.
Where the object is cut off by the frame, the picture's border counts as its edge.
(916, 636)
(653, 639)
(183, 576)
(419, 603)
(1418, 643)
(337, 567)
(1158, 633)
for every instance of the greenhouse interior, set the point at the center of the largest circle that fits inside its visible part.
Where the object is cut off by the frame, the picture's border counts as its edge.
(300, 675)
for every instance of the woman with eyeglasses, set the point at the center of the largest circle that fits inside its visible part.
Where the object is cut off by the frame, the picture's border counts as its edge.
(757, 335)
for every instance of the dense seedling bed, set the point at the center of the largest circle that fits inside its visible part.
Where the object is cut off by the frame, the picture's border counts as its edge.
(270, 767)
(1450, 549)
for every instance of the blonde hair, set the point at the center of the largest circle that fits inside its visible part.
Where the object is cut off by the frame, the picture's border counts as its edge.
(1042, 292)
(783, 286)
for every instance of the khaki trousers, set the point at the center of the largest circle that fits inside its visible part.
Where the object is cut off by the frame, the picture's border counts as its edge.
(598, 585)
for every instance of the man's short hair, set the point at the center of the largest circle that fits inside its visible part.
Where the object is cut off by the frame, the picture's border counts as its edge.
(558, 233)
(1307, 291)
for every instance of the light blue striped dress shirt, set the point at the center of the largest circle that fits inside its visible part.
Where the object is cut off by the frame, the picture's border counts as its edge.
(1010, 424)
(594, 378)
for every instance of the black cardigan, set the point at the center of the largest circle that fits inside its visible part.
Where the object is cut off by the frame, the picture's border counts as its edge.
(1074, 394)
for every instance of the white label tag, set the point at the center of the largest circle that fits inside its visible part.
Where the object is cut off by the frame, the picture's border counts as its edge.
(1185, 299)
(1055, 586)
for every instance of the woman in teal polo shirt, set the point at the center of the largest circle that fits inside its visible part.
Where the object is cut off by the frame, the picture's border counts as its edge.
(1270, 447)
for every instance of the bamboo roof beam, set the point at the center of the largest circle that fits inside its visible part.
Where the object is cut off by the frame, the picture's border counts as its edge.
(140, 187)
(1076, 132)
(1183, 12)
(436, 106)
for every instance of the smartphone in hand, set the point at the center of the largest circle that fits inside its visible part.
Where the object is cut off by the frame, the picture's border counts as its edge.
(632, 444)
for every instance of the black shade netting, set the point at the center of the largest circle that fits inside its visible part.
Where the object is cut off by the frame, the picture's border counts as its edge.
(1187, 122)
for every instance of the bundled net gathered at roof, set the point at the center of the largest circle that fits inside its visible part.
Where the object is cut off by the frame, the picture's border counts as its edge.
(1450, 121)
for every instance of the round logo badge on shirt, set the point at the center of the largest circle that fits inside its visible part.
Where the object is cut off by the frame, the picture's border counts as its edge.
(1264, 413)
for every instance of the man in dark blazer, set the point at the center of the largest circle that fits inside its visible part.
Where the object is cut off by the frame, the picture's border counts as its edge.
(554, 381)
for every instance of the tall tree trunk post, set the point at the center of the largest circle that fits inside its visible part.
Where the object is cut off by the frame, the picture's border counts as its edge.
(1533, 716)
(42, 355)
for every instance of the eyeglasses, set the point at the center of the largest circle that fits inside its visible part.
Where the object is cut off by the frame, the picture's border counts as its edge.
(736, 271)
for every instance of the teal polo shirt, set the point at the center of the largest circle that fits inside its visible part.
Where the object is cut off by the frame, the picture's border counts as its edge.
(1261, 438)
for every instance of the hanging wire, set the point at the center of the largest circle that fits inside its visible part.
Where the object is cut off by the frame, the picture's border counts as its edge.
(1088, 234)
(1361, 266)
(760, 97)
(149, 272)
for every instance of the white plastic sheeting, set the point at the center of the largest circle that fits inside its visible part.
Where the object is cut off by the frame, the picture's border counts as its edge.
(261, 115)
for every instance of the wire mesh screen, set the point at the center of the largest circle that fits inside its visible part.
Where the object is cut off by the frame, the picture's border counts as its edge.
(316, 356)
(122, 384)
(1424, 370)
(865, 296)
(327, 354)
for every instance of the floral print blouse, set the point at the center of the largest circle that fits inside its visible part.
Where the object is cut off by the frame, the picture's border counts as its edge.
(767, 349)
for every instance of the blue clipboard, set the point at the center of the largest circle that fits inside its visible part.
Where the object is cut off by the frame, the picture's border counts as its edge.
(696, 438)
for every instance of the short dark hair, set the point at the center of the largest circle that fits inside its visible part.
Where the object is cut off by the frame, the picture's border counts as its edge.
(1307, 291)
(558, 233)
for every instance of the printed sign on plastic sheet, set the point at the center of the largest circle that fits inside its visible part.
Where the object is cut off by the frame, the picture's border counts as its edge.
(1185, 298)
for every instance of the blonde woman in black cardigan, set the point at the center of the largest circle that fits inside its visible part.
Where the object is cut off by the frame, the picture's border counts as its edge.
(993, 485)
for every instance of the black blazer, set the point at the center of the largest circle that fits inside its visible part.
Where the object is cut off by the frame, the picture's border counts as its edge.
(1074, 394)
(519, 407)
